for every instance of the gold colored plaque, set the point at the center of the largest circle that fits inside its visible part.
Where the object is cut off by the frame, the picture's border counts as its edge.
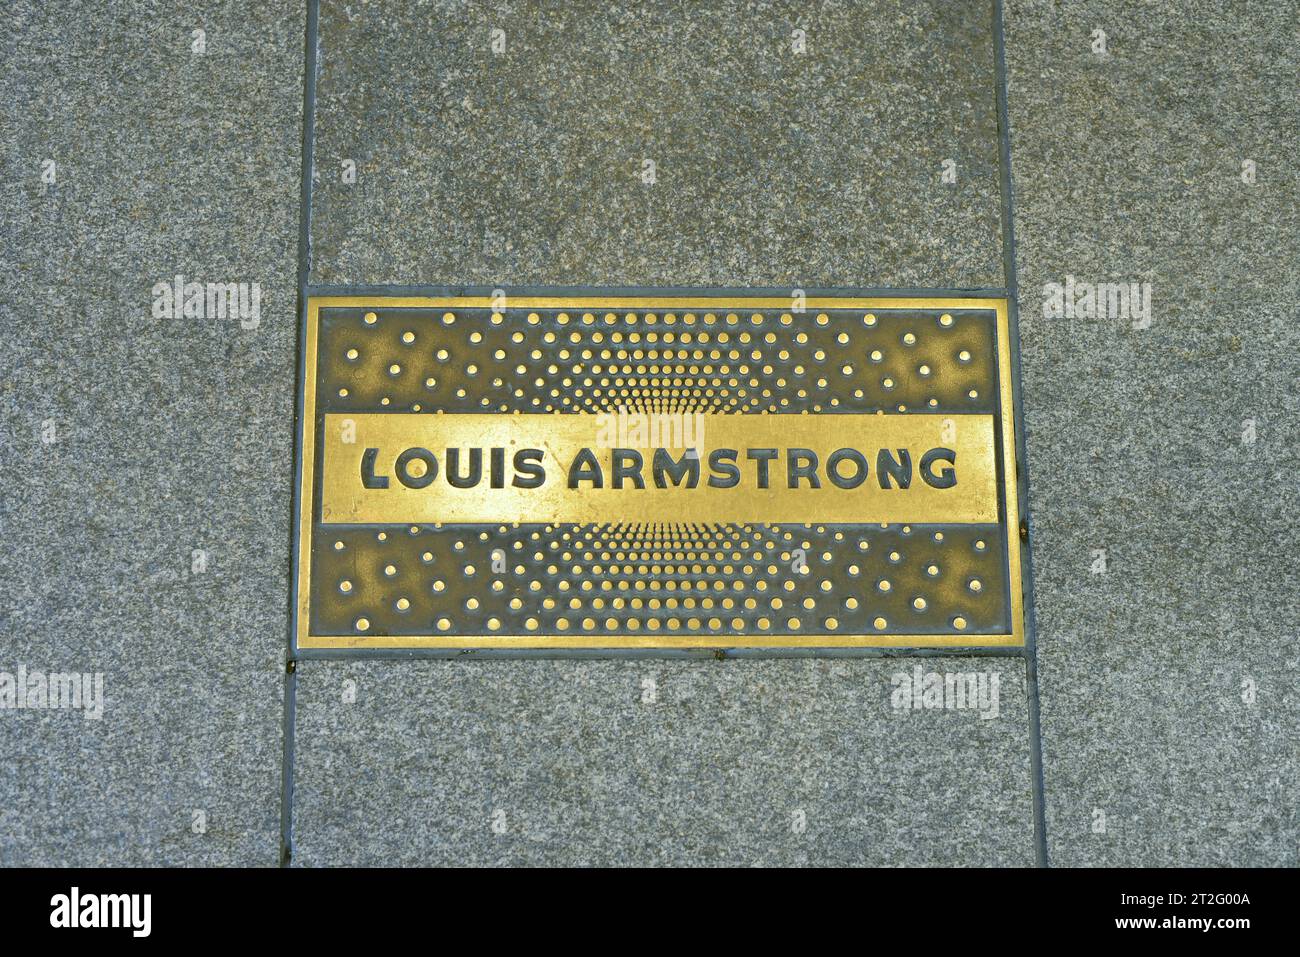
(658, 472)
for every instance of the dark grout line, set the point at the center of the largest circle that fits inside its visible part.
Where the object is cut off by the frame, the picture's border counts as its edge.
(645, 654)
(310, 51)
(1011, 281)
(286, 763)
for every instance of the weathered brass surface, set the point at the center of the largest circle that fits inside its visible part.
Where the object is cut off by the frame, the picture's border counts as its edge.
(657, 473)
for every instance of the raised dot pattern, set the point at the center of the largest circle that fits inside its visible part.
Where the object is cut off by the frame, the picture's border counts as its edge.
(613, 579)
(557, 360)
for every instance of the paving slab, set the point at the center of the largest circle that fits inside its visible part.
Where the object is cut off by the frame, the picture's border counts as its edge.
(1162, 447)
(731, 143)
(146, 504)
(656, 762)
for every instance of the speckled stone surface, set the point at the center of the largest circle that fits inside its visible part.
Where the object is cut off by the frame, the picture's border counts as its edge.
(734, 762)
(169, 435)
(771, 167)
(1173, 448)
(1170, 706)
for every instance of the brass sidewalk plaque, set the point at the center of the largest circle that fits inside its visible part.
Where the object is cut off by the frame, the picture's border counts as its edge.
(659, 472)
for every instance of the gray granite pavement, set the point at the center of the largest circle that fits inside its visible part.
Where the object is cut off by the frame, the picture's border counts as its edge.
(1163, 457)
(146, 458)
(748, 762)
(731, 143)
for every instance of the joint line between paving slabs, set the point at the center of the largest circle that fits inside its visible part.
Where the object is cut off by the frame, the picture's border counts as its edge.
(1013, 313)
(307, 149)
